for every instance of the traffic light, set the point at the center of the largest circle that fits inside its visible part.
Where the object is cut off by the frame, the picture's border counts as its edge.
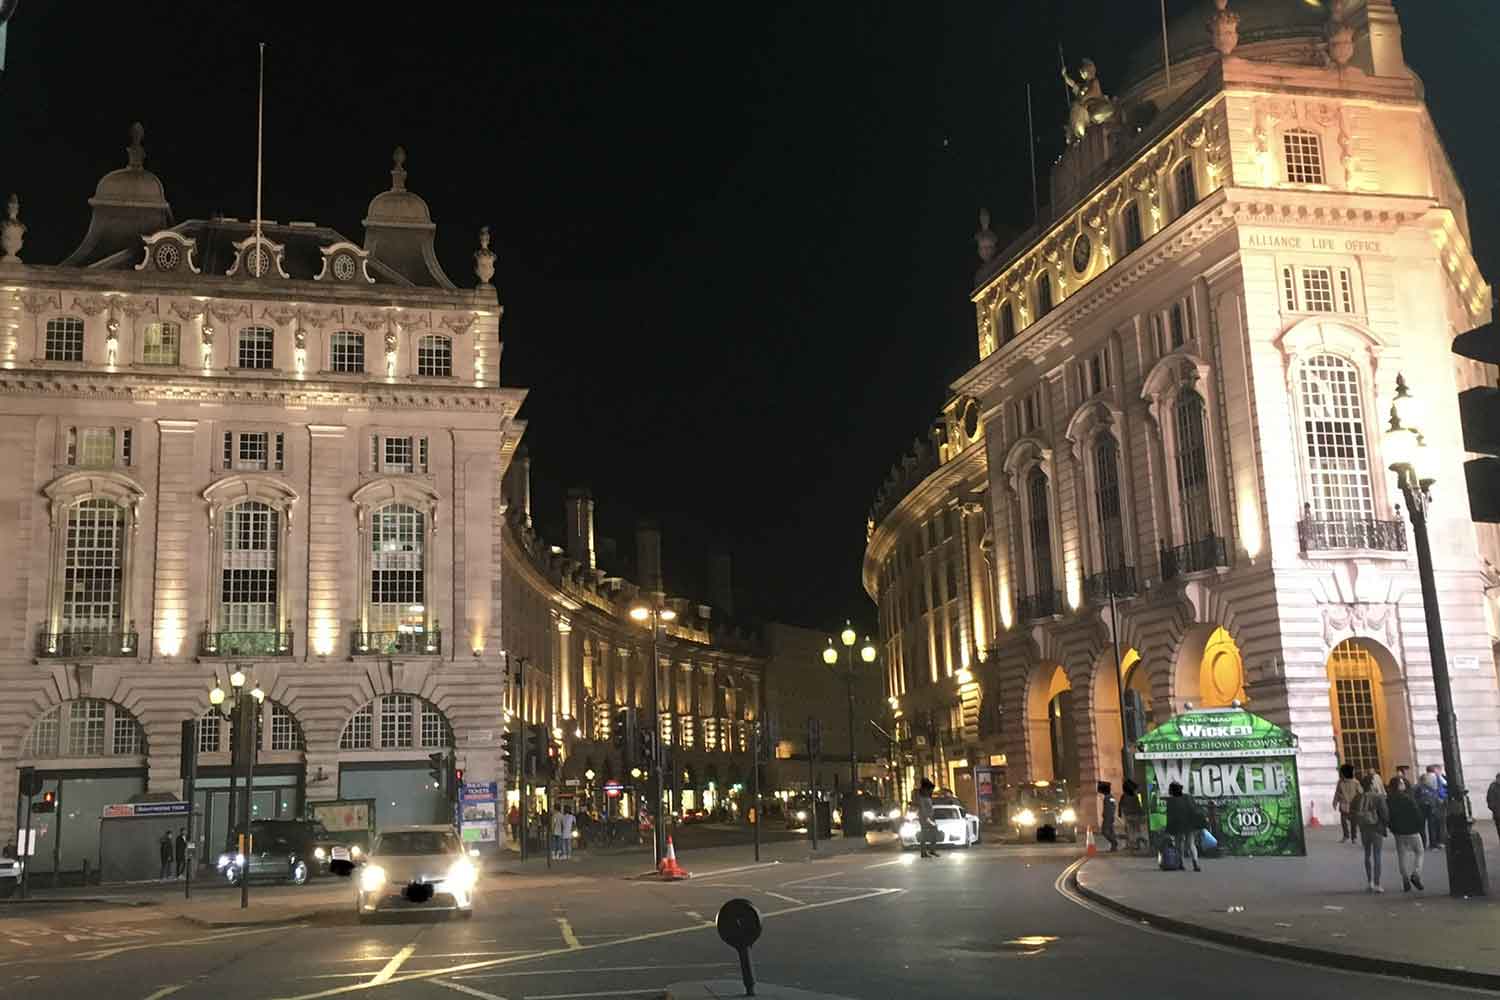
(536, 748)
(437, 765)
(455, 778)
(1479, 413)
(510, 751)
(646, 741)
(31, 783)
(47, 803)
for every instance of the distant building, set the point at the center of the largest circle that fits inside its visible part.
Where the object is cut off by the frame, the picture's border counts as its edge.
(1185, 370)
(276, 451)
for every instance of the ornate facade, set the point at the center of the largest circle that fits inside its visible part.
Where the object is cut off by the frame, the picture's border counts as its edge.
(266, 448)
(1184, 372)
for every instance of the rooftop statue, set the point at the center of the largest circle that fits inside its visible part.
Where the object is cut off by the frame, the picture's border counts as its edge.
(1090, 106)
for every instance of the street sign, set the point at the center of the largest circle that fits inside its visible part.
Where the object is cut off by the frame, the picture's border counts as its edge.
(612, 789)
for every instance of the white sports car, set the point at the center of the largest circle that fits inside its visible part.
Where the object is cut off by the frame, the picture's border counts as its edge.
(956, 828)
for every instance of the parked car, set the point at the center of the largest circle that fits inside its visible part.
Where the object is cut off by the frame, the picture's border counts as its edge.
(10, 876)
(1041, 811)
(417, 867)
(956, 826)
(280, 851)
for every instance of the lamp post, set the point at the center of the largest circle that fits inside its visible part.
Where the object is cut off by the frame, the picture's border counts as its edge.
(1406, 451)
(653, 615)
(853, 817)
(246, 737)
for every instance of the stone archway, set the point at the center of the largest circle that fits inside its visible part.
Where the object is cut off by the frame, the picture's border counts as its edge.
(1369, 707)
(1208, 670)
(1048, 717)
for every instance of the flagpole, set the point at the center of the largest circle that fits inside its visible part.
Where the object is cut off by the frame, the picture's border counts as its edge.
(260, 121)
(1031, 149)
(1166, 54)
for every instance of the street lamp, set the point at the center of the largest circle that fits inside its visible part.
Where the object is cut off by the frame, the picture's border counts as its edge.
(245, 733)
(654, 615)
(1407, 453)
(853, 816)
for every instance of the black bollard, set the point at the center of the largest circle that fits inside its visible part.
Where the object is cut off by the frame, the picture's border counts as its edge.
(739, 927)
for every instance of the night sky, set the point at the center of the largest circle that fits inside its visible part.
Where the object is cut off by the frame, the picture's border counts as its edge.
(735, 242)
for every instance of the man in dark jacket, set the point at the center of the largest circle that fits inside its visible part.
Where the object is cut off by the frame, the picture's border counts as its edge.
(1407, 824)
(179, 851)
(1183, 823)
(166, 855)
(1107, 816)
(1492, 799)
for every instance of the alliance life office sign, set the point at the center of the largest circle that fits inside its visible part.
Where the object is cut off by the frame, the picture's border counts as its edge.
(1240, 768)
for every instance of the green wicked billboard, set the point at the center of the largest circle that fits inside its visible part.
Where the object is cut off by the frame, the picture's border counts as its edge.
(1241, 769)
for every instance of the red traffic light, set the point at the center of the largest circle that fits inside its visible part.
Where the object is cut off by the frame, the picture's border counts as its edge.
(458, 775)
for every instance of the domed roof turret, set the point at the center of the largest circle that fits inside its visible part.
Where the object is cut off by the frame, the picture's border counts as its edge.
(128, 203)
(398, 206)
(399, 231)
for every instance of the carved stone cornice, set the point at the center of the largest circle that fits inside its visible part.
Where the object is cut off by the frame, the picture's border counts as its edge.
(279, 314)
(410, 319)
(186, 310)
(36, 302)
(91, 305)
(226, 311)
(134, 306)
(460, 323)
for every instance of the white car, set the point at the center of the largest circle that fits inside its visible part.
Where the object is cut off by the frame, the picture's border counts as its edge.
(956, 828)
(417, 867)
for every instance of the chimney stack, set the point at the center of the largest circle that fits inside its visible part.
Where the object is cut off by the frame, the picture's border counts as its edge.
(723, 584)
(581, 527)
(523, 482)
(648, 556)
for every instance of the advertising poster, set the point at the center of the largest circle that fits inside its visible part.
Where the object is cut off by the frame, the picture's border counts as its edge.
(1241, 769)
(479, 818)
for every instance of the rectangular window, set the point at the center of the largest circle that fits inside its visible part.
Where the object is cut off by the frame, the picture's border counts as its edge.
(1334, 439)
(93, 558)
(435, 357)
(85, 728)
(127, 734)
(1346, 290)
(397, 455)
(1179, 326)
(347, 351)
(208, 733)
(1043, 294)
(1187, 186)
(257, 347)
(1157, 346)
(65, 339)
(1132, 226)
(125, 451)
(163, 344)
(1317, 289)
(1304, 157)
(93, 447)
(393, 455)
(422, 454)
(284, 734)
(433, 731)
(254, 451)
(1041, 533)
(359, 734)
(1288, 290)
(396, 721)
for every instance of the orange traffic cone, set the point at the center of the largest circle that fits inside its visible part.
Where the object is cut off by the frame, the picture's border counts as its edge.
(1313, 822)
(669, 869)
(1088, 843)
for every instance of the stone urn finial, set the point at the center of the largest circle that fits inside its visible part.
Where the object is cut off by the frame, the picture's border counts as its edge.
(1340, 36)
(135, 153)
(398, 169)
(1224, 28)
(12, 231)
(985, 239)
(484, 259)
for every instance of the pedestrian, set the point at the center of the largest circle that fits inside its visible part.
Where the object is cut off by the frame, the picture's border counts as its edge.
(568, 822)
(557, 830)
(1373, 817)
(1492, 799)
(1429, 797)
(165, 851)
(1107, 817)
(179, 851)
(1406, 826)
(513, 820)
(926, 828)
(1134, 815)
(1344, 794)
(1184, 820)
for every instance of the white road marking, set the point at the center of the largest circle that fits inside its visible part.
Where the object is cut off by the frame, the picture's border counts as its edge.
(606, 968)
(811, 878)
(599, 993)
(23, 944)
(789, 899)
(553, 952)
(94, 956)
(694, 914)
(165, 991)
(389, 969)
(569, 938)
(887, 864)
(731, 871)
(471, 991)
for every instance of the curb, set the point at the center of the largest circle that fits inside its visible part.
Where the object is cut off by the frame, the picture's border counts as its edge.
(1344, 960)
(286, 920)
(74, 901)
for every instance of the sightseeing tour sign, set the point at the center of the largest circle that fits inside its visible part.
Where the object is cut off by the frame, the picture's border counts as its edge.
(1241, 769)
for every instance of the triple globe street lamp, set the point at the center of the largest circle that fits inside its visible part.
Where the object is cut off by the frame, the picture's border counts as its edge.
(245, 741)
(853, 817)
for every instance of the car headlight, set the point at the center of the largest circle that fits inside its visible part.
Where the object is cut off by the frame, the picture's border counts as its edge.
(319, 853)
(355, 852)
(226, 860)
(1026, 818)
(372, 878)
(1068, 815)
(894, 814)
(869, 815)
(801, 815)
(908, 829)
(462, 875)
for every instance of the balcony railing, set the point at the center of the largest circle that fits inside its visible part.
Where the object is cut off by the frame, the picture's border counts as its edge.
(1319, 534)
(392, 643)
(88, 644)
(1030, 607)
(1119, 581)
(245, 644)
(1205, 553)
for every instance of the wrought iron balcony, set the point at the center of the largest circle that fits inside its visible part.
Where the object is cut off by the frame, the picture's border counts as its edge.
(1319, 534)
(1031, 607)
(1119, 582)
(70, 643)
(245, 644)
(397, 643)
(1206, 553)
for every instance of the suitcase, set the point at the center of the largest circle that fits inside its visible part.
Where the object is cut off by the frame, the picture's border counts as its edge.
(1171, 860)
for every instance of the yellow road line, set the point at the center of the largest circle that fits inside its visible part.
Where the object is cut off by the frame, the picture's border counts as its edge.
(390, 967)
(165, 991)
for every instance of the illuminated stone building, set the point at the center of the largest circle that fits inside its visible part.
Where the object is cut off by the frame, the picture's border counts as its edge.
(274, 450)
(1184, 373)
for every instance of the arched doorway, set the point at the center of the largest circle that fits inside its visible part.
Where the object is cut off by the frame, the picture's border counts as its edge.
(1061, 730)
(1139, 719)
(1357, 700)
(1221, 674)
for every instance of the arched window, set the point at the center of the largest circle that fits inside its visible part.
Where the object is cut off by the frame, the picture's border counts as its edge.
(435, 356)
(93, 564)
(277, 730)
(398, 593)
(162, 344)
(1303, 156)
(1358, 709)
(1107, 506)
(249, 618)
(397, 722)
(1186, 183)
(1043, 294)
(1040, 532)
(1333, 438)
(64, 339)
(1192, 467)
(1179, 325)
(346, 351)
(1007, 323)
(86, 727)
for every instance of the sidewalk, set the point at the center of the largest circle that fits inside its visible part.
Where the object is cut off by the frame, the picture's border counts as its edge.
(1316, 909)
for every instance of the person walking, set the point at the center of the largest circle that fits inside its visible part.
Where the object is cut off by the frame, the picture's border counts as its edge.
(1107, 817)
(1373, 817)
(1134, 816)
(179, 851)
(1344, 794)
(165, 850)
(1429, 797)
(513, 820)
(1407, 825)
(1492, 799)
(1184, 820)
(927, 829)
(568, 823)
(557, 829)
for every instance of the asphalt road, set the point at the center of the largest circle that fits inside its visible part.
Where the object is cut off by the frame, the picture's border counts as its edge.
(985, 923)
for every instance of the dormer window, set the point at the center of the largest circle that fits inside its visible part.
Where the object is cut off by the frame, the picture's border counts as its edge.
(343, 267)
(167, 256)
